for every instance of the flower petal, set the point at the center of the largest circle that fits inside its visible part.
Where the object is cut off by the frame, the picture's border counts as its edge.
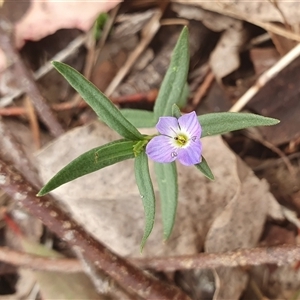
(167, 126)
(161, 150)
(189, 123)
(191, 155)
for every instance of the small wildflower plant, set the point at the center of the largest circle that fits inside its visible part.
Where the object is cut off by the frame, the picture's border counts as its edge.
(178, 137)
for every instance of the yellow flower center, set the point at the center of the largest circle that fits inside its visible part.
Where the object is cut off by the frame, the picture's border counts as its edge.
(181, 140)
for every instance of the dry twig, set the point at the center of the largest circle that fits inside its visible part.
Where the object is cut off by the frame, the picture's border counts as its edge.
(33, 121)
(39, 263)
(250, 134)
(265, 77)
(202, 90)
(279, 255)
(275, 162)
(177, 21)
(93, 53)
(147, 35)
(135, 98)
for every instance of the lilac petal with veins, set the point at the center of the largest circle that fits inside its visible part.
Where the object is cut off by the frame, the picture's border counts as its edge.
(161, 149)
(167, 126)
(189, 123)
(190, 155)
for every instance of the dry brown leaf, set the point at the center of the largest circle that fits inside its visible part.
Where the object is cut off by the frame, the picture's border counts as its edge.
(108, 203)
(56, 285)
(277, 282)
(231, 283)
(263, 59)
(131, 24)
(263, 10)
(211, 20)
(46, 17)
(263, 14)
(225, 57)
(24, 286)
(152, 75)
(240, 225)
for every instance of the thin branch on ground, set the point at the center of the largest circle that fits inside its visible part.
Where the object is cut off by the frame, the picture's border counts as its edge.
(266, 77)
(273, 148)
(173, 21)
(39, 263)
(134, 98)
(93, 53)
(27, 81)
(59, 222)
(203, 88)
(275, 162)
(148, 33)
(33, 122)
(279, 255)
(106, 30)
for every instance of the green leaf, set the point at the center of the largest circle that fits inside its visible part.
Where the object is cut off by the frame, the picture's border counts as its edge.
(219, 123)
(99, 25)
(166, 175)
(140, 147)
(175, 79)
(103, 107)
(89, 162)
(176, 111)
(184, 96)
(140, 118)
(205, 169)
(145, 186)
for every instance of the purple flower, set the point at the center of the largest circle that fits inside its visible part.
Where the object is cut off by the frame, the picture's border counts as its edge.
(178, 139)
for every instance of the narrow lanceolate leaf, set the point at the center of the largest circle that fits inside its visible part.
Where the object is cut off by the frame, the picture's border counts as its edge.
(145, 186)
(139, 118)
(205, 169)
(219, 123)
(175, 79)
(184, 96)
(102, 106)
(91, 161)
(166, 175)
(176, 111)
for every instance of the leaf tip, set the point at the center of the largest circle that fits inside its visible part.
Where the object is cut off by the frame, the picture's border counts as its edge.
(167, 236)
(41, 193)
(143, 242)
(211, 177)
(54, 63)
(44, 191)
(185, 29)
(271, 121)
